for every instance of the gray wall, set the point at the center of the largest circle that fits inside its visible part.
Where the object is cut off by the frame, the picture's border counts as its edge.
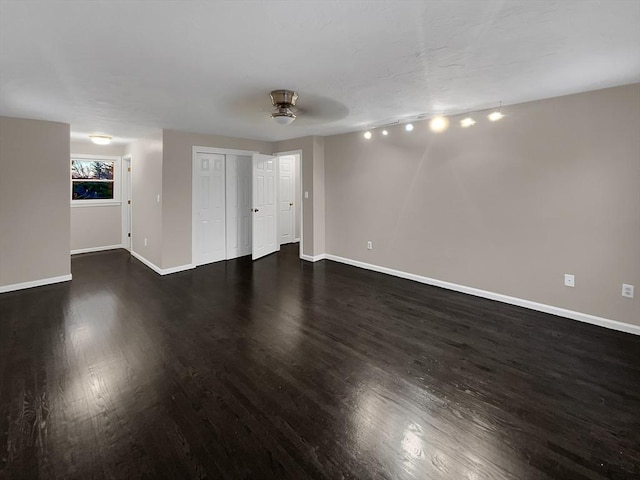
(507, 207)
(146, 185)
(96, 226)
(34, 200)
(177, 182)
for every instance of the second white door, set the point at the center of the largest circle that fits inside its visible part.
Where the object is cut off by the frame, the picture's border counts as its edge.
(265, 227)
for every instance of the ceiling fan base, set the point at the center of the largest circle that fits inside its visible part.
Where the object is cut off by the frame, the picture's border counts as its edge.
(284, 98)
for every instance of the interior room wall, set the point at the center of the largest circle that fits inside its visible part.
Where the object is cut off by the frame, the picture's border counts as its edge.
(507, 207)
(319, 195)
(34, 201)
(96, 227)
(312, 207)
(147, 197)
(177, 183)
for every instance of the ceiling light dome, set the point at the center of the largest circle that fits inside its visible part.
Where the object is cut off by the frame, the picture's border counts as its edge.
(100, 139)
(283, 116)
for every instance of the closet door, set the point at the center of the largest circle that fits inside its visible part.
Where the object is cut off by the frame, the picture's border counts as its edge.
(209, 205)
(238, 209)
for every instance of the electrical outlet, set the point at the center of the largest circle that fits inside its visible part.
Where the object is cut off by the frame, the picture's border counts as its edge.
(569, 280)
(369, 245)
(145, 241)
(627, 290)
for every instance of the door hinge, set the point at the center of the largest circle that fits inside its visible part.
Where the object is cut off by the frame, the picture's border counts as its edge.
(129, 235)
(128, 169)
(129, 202)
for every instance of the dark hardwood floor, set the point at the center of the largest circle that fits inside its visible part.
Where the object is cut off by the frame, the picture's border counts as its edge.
(290, 370)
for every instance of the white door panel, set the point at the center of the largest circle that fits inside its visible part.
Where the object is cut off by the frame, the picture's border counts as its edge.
(265, 237)
(238, 205)
(210, 237)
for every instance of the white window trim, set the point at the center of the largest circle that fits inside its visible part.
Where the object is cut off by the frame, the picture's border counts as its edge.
(117, 181)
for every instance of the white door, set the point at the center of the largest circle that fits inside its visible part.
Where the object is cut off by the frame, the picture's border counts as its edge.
(286, 214)
(238, 208)
(126, 202)
(265, 231)
(210, 217)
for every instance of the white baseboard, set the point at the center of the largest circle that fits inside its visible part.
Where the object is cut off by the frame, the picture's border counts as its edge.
(310, 258)
(179, 268)
(34, 283)
(540, 307)
(96, 249)
(162, 271)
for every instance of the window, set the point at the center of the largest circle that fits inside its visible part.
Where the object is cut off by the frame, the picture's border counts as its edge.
(95, 180)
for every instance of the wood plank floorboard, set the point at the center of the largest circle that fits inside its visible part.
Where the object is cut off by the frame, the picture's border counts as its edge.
(285, 369)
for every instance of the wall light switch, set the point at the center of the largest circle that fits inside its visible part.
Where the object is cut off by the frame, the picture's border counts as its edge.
(627, 290)
(158, 198)
(306, 194)
(569, 280)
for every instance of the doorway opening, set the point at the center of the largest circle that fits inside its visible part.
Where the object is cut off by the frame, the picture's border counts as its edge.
(126, 203)
(290, 198)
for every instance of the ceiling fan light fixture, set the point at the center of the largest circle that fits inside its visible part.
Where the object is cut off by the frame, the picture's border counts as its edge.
(283, 117)
(283, 100)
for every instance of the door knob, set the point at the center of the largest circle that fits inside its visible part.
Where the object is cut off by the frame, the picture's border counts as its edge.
(256, 210)
(291, 204)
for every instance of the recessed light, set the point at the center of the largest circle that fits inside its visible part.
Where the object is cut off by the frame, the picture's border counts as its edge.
(385, 133)
(408, 127)
(467, 122)
(367, 135)
(100, 139)
(439, 124)
(495, 116)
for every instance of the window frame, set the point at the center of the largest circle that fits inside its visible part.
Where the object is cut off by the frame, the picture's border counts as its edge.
(116, 180)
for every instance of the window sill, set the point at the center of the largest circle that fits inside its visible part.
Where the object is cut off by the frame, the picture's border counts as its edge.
(95, 203)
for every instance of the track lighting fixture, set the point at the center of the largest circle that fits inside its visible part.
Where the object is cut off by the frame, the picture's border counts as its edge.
(467, 122)
(439, 124)
(495, 116)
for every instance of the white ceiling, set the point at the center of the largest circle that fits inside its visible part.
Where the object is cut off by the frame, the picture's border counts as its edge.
(127, 68)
